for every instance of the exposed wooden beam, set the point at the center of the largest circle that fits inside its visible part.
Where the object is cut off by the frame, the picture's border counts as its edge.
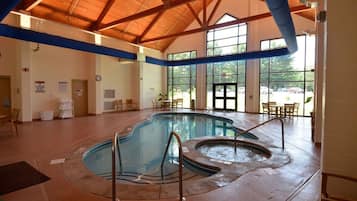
(29, 5)
(73, 6)
(297, 9)
(54, 9)
(204, 12)
(152, 23)
(194, 14)
(165, 6)
(63, 12)
(104, 12)
(213, 11)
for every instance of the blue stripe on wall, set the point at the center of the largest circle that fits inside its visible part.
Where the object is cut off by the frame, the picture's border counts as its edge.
(33, 36)
(224, 58)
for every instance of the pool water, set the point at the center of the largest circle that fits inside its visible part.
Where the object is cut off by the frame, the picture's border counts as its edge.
(142, 150)
(225, 151)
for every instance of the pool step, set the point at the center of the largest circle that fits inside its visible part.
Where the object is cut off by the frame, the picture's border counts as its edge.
(150, 179)
(154, 177)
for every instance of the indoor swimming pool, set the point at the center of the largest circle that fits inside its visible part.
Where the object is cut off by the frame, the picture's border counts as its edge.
(142, 149)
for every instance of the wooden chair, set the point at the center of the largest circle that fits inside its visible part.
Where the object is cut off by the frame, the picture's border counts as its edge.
(179, 102)
(174, 103)
(15, 119)
(130, 105)
(118, 105)
(155, 104)
(265, 107)
(289, 109)
(12, 119)
(296, 108)
(272, 109)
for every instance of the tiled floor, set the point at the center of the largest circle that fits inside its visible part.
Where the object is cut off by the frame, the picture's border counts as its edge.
(40, 142)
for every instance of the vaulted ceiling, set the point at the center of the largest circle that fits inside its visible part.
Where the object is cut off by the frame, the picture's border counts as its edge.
(138, 21)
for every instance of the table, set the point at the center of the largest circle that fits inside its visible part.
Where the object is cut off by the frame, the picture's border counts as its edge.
(279, 109)
(3, 116)
(166, 103)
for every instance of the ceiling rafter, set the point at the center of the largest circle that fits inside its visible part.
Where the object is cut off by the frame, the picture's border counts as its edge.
(73, 6)
(194, 14)
(297, 9)
(104, 12)
(167, 5)
(148, 28)
(218, 2)
(28, 5)
(54, 9)
(204, 13)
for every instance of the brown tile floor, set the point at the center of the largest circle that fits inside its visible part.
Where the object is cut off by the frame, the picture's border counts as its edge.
(40, 142)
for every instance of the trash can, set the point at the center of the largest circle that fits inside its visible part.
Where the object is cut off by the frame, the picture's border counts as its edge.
(46, 115)
(193, 107)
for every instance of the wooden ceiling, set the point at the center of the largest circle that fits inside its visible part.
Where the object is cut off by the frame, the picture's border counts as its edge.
(145, 22)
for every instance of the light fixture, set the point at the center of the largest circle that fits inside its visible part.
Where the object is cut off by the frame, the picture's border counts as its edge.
(25, 21)
(310, 3)
(141, 49)
(97, 39)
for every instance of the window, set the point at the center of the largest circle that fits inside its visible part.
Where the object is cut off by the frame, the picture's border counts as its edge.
(224, 41)
(289, 79)
(181, 80)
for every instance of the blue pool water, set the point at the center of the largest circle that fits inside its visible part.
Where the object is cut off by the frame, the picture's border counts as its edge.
(143, 149)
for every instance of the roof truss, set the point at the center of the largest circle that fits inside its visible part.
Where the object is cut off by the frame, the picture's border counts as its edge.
(165, 6)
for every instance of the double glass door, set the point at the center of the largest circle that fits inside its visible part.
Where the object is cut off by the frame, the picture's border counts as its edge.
(225, 96)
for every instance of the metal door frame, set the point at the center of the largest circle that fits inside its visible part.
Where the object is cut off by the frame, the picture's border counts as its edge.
(225, 98)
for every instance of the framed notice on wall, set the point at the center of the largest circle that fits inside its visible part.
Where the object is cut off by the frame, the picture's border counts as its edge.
(62, 86)
(40, 86)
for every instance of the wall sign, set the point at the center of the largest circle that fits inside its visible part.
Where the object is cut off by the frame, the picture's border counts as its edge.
(40, 86)
(62, 86)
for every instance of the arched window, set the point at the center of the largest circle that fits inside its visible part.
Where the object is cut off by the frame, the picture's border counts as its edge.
(225, 81)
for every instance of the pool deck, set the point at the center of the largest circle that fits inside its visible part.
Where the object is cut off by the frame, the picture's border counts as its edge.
(40, 142)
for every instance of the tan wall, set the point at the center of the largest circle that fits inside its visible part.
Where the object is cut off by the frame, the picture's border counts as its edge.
(118, 77)
(340, 128)
(257, 31)
(8, 65)
(53, 64)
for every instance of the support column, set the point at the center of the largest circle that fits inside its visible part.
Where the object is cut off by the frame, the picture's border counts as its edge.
(319, 75)
(95, 86)
(24, 81)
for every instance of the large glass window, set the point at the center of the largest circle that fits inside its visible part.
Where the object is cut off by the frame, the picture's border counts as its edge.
(181, 80)
(224, 41)
(289, 79)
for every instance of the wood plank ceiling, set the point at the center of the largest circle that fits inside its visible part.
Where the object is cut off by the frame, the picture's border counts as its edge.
(134, 21)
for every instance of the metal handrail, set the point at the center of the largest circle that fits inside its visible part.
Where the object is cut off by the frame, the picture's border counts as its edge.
(115, 148)
(261, 124)
(180, 160)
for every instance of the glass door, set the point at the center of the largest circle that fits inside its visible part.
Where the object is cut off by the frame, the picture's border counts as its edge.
(225, 96)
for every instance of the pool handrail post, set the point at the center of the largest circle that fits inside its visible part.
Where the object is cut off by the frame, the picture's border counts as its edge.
(261, 124)
(180, 161)
(115, 148)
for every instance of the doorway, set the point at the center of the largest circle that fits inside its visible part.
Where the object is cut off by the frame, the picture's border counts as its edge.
(80, 97)
(5, 95)
(225, 96)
